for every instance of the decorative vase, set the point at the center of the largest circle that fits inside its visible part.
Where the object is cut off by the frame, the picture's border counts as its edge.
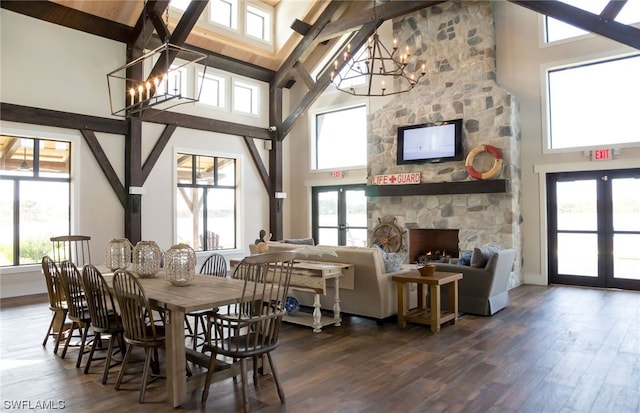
(180, 264)
(118, 253)
(146, 259)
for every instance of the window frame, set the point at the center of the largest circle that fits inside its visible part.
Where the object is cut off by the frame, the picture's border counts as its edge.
(224, 90)
(35, 176)
(268, 22)
(233, 15)
(255, 96)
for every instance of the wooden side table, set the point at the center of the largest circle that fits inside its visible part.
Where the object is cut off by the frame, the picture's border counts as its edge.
(434, 316)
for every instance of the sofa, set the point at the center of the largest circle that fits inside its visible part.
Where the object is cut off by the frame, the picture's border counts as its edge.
(372, 293)
(484, 287)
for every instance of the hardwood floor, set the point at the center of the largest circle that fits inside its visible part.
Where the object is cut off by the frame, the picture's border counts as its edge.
(554, 349)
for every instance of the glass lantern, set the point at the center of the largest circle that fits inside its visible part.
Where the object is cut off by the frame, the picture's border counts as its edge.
(146, 259)
(118, 253)
(180, 264)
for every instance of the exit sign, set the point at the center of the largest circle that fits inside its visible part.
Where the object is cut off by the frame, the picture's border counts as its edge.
(601, 155)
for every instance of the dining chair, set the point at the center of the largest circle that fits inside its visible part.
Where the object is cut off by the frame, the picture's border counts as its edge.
(57, 302)
(215, 265)
(104, 316)
(140, 330)
(250, 329)
(76, 304)
(74, 248)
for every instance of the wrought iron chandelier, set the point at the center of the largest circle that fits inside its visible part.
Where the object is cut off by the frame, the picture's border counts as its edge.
(163, 85)
(373, 66)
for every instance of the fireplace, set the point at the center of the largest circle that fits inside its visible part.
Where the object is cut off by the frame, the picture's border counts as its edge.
(423, 241)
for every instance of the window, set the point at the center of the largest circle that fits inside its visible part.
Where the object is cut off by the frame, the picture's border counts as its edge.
(35, 202)
(341, 138)
(206, 201)
(245, 97)
(213, 89)
(180, 4)
(593, 103)
(225, 13)
(258, 23)
(557, 30)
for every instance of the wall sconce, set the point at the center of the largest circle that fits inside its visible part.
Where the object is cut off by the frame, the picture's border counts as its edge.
(280, 197)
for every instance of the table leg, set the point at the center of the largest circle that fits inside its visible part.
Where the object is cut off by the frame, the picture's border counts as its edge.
(422, 304)
(336, 303)
(176, 358)
(317, 314)
(402, 304)
(434, 291)
(453, 300)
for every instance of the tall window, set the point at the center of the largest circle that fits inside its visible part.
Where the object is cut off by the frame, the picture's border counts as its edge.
(258, 23)
(35, 201)
(341, 138)
(594, 103)
(213, 89)
(206, 201)
(245, 97)
(225, 13)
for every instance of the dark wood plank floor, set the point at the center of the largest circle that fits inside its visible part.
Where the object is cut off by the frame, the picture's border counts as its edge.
(554, 349)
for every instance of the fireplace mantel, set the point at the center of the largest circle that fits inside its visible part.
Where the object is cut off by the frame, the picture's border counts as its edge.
(495, 186)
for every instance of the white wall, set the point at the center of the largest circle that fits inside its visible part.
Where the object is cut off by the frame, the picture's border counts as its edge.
(48, 66)
(520, 62)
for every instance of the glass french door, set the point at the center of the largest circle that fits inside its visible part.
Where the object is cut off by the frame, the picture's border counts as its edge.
(339, 215)
(594, 228)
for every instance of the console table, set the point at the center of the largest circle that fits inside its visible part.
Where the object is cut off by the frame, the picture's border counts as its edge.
(434, 316)
(312, 276)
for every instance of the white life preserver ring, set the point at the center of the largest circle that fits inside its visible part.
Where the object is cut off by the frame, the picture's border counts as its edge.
(496, 167)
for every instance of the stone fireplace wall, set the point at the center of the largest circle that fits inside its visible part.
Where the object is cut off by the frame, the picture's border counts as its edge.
(456, 41)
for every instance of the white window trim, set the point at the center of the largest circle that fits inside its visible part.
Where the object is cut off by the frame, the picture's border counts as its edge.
(312, 132)
(258, 98)
(227, 79)
(270, 26)
(544, 94)
(239, 21)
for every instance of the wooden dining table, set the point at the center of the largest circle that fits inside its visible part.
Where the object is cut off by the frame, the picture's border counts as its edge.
(205, 292)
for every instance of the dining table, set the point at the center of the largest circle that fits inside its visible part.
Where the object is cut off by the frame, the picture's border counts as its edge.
(204, 292)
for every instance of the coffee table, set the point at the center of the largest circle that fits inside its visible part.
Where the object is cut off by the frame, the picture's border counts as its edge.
(434, 316)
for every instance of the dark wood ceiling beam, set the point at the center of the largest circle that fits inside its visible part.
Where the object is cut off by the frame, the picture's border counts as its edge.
(612, 9)
(65, 16)
(325, 78)
(283, 73)
(386, 11)
(155, 10)
(153, 157)
(582, 19)
(47, 117)
(105, 165)
(204, 124)
(257, 161)
(304, 75)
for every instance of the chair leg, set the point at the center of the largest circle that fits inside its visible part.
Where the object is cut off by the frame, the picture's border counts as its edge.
(123, 367)
(83, 339)
(107, 362)
(274, 372)
(245, 384)
(145, 373)
(69, 337)
(59, 334)
(93, 349)
(207, 382)
(46, 336)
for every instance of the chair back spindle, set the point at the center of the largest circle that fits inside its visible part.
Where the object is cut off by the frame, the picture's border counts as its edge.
(74, 248)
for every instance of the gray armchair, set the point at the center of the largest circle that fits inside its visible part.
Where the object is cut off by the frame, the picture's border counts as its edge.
(483, 291)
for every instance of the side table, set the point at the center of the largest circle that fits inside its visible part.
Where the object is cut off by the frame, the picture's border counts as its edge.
(434, 316)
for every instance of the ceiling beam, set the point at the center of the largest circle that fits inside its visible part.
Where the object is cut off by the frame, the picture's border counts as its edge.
(612, 9)
(582, 19)
(74, 19)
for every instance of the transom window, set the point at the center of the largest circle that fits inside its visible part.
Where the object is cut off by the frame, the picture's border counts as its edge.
(225, 13)
(258, 23)
(341, 138)
(213, 91)
(594, 103)
(35, 203)
(206, 201)
(245, 97)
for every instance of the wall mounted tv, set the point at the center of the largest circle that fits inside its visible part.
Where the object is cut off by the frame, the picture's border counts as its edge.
(430, 142)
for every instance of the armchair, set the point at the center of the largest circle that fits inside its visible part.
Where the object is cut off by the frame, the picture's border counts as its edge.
(484, 290)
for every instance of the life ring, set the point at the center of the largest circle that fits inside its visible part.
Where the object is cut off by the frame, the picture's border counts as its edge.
(496, 167)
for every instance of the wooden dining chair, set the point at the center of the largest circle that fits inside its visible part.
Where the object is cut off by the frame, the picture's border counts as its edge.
(74, 248)
(76, 304)
(250, 329)
(57, 302)
(215, 265)
(105, 319)
(140, 329)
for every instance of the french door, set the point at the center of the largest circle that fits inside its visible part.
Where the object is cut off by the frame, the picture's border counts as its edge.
(339, 215)
(594, 228)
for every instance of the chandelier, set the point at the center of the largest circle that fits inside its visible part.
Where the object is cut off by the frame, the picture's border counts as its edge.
(163, 83)
(373, 66)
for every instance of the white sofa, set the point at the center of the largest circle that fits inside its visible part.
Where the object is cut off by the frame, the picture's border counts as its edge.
(372, 293)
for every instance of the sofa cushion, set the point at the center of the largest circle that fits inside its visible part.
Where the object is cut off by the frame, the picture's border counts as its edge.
(481, 255)
(465, 258)
(299, 241)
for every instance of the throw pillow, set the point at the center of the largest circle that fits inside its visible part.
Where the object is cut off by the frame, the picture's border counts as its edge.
(392, 260)
(465, 258)
(481, 255)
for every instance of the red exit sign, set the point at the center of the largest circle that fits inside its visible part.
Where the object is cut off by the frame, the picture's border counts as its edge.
(601, 154)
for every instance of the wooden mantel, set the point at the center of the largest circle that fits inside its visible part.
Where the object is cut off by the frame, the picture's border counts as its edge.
(495, 186)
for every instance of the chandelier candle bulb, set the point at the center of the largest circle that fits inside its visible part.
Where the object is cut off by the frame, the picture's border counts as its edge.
(133, 96)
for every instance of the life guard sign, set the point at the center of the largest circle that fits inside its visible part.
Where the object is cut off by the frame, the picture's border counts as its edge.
(396, 179)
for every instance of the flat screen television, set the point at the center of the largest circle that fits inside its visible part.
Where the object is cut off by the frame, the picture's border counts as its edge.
(430, 142)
